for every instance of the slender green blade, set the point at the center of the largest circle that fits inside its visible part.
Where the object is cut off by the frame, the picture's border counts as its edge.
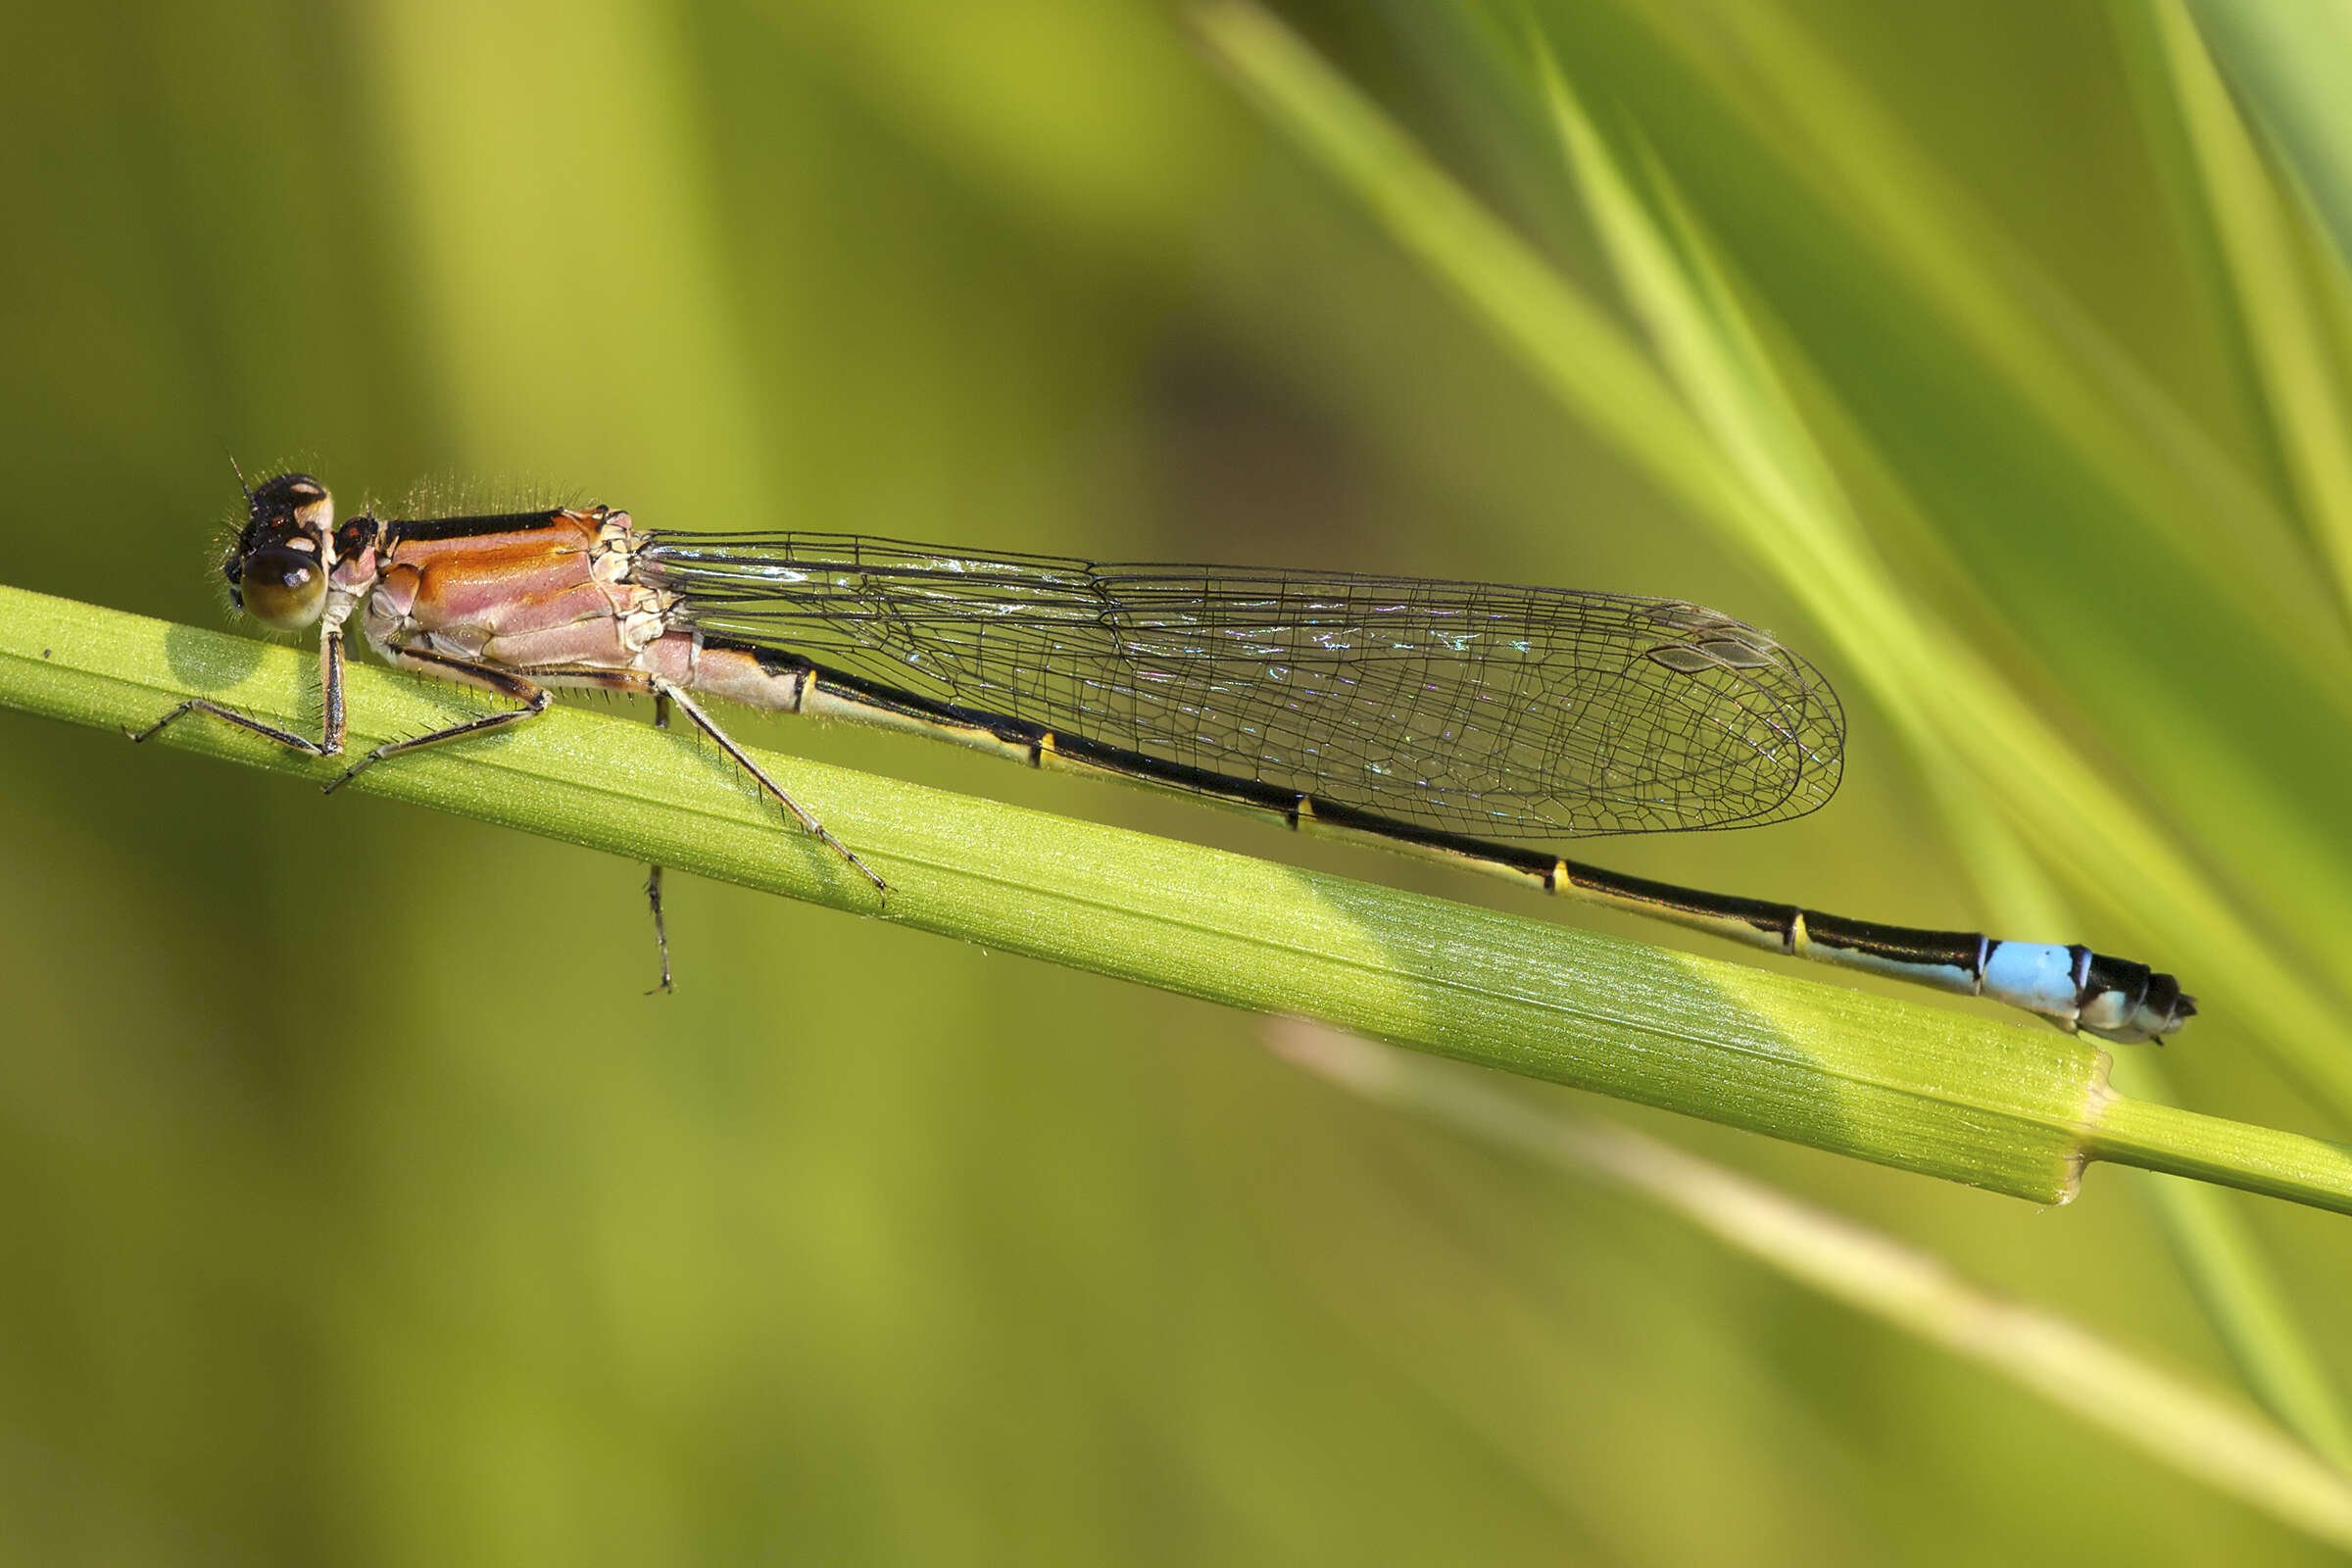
(1921, 1088)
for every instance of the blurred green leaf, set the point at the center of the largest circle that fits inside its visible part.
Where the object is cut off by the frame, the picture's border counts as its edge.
(2290, 63)
(1971, 735)
(2290, 333)
(2198, 1432)
(1955, 706)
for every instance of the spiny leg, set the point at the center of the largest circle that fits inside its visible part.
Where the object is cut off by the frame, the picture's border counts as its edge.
(490, 678)
(653, 876)
(331, 687)
(708, 726)
(198, 705)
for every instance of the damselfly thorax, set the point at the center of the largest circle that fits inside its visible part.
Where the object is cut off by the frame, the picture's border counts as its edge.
(1452, 719)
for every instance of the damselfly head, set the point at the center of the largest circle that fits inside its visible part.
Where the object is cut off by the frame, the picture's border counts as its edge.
(277, 569)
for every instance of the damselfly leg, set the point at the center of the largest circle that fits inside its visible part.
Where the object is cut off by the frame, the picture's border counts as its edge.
(517, 687)
(653, 874)
(510, 605)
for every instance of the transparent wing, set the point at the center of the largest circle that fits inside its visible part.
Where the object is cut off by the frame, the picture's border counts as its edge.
(1477, 709)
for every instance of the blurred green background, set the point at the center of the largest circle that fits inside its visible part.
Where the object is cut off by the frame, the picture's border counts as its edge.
(355, 1204)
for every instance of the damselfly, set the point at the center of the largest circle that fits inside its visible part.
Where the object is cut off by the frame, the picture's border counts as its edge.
(1446, 718)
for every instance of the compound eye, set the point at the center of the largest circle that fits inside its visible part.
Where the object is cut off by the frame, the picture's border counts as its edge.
(295, 496)
(282, 587)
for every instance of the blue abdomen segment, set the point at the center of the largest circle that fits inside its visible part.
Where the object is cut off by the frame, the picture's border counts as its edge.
(2075, 988)
(2070, 985)
(2040, 976)
(2113, 999)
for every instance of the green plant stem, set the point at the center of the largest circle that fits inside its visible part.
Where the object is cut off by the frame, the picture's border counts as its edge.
(2185, 1143)
(1919, 1087)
